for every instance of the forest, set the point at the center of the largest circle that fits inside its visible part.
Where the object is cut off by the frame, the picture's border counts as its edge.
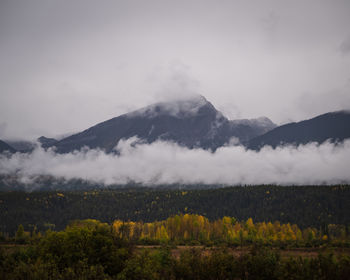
(250, 232)
(198, 230)
(90, 249)
(306, 206)
(193, 229)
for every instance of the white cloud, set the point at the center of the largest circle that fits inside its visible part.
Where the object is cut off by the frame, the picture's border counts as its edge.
(167, 163)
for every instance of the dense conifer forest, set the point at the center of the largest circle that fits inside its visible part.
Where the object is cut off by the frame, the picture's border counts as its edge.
(305, 206)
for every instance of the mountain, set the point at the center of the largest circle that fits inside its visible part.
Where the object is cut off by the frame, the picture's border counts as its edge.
(192, 122)
(22, 146)
(246, 129)
(6, 147)
(46, 142)
(334, 126)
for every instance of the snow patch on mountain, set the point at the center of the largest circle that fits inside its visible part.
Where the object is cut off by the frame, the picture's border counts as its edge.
(178, 108)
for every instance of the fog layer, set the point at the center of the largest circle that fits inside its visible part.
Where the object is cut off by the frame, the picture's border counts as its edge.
(167, 163)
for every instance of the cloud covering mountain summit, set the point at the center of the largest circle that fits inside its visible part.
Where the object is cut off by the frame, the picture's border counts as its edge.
(192, 122)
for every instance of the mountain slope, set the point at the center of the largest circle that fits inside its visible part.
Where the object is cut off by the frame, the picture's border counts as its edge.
(22, 146)
(192, 122)
(334, 126)
(246, 129)
(46, 142)
(6, 147)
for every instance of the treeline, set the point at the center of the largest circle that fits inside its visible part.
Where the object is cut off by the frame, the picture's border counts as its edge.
(93, 250)
(306, 206)
(196, 229)
(192, 229)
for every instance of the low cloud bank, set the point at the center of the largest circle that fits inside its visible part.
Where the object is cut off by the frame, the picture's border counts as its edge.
(167, 163)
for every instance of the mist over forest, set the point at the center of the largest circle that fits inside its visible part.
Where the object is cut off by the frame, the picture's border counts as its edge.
(168, 163)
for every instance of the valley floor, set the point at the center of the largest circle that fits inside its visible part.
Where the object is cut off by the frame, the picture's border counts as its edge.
(237, 251)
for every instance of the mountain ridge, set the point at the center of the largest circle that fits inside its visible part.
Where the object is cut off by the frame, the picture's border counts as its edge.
(4, 147)
(192, 122)
(332, 126)
(195, 123)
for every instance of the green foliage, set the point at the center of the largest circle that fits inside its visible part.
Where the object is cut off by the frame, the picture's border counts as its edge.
(21, 236)
(90, 249)
(262, 264)
(89, 241)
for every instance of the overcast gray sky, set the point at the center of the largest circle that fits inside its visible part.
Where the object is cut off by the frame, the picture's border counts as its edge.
(66, 65)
